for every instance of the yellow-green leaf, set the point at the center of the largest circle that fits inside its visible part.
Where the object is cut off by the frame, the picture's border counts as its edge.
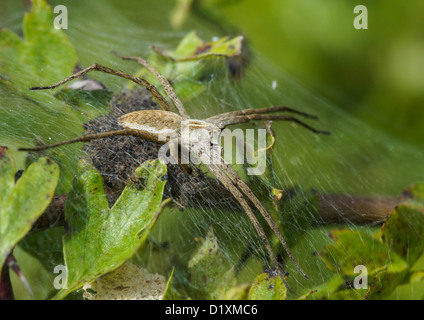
(354, 248)
(192, 47)
(403, 233)
(98, 239)
(268, 286)
(209, 277)
(23, 203)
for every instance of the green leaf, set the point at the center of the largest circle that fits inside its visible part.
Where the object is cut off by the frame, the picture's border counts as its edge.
(192, 47)
(51, 239)
(383, 284)
(44, 54)
(354, 248)
(268, 286)
(23, 203)
(209, 277)
(389, 262)
(239, 292)
(403, 233)
(186, 66)
(325, 290)
(99, 239)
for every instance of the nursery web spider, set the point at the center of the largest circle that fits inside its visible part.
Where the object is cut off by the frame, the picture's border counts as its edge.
(148, 124)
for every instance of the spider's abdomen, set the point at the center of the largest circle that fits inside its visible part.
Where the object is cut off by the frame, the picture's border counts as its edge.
(153, 121)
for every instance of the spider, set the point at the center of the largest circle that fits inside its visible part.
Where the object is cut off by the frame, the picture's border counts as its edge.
(151, 124)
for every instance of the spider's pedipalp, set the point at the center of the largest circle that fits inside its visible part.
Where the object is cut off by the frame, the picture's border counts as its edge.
(97, 67)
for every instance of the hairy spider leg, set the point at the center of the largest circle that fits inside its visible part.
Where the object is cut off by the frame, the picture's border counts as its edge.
(244, 112)
(167, 86)
(243, 119)
(246, 190)
(89, 137)
(216, 170)
(97, 67)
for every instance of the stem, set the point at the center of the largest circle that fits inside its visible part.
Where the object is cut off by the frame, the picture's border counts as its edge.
(6, 290)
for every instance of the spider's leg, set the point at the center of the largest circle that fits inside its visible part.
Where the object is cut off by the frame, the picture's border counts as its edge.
(89, 137)
(245, 112)
(167, 86)
(228, 184)
(242, 119)
(144, 83)
(233, 176)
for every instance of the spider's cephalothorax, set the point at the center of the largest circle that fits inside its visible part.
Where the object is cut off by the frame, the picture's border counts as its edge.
(154, 125)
